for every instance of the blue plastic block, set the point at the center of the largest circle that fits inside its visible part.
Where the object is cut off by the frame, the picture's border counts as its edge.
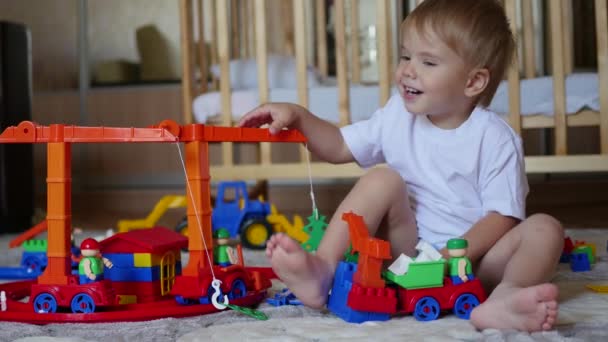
(579, 262)
(120, 259)
(285, 297)
(337, 301)
(132, 273)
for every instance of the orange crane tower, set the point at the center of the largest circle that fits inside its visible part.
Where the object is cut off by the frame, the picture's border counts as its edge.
(196, 137)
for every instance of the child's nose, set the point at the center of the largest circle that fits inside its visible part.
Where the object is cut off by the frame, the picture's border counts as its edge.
(408, 70)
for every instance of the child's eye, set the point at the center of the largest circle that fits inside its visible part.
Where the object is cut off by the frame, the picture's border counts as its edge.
(428, 63)
(405, 58)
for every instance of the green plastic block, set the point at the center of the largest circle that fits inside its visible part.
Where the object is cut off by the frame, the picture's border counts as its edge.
(35, 245)
(349, 256)
(420, 275)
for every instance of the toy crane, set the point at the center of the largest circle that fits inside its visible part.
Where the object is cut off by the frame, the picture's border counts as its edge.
(193, 283)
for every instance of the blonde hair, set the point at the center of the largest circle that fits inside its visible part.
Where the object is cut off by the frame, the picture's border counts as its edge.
(477, 30)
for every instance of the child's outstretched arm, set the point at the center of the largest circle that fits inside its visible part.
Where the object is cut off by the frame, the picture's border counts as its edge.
(324, 138)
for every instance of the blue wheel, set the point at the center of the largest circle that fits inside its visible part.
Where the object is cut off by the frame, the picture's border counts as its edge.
(238, 289)
(427, 309)
(33, 264)
(82, 303)
(45, 303)
(465, 303)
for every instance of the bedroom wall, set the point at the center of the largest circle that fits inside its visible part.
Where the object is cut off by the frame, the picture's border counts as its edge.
(111, 30)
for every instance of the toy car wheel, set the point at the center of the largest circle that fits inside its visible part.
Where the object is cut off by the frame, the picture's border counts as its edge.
(255, 233)
(45, 303)
(464, 305)
(33, 265)
(182, 226)
(238, 289)
(427, 309)
(82, 303)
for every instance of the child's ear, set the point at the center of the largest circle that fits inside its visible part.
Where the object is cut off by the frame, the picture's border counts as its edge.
(477, 82)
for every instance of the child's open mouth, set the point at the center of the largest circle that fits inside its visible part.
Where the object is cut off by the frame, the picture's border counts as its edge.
(412, 91)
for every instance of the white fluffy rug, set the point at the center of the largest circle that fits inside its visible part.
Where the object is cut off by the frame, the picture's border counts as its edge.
(583, 317)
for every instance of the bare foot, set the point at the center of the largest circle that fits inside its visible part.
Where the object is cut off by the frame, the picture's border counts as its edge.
(305, 274)
(526, 309)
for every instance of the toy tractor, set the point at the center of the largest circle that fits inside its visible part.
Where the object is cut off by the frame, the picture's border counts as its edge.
(240, 215)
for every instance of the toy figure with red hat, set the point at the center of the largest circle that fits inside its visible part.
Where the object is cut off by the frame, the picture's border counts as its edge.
(90, 267)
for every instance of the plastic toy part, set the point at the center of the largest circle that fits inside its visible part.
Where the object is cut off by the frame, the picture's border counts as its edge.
(598, 288)
(423, 291)
(238, 214)
(56, 291)
(315, 229)
(371, 251)
(338, 300)
(282, 225)
(285, 297)
(579, 262)
(165, 203)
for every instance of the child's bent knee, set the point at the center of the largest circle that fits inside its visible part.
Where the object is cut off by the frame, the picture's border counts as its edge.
(383, 178)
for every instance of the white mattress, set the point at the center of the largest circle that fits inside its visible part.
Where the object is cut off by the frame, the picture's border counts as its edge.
(536, 98)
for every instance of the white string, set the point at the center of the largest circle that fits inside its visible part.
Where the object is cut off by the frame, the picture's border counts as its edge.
(312, 193)
(198, 220)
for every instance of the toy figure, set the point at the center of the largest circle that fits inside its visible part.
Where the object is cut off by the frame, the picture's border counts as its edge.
(90, 267)
(222, 253)
(460, 267)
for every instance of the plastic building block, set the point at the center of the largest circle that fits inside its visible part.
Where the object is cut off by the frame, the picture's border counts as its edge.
(282, 225)
(372, 299)
(165, 203)
(285, 297)
(56, 288)
(420, 275)
(371, 252)
(586, 248)
(338, 300)
(579, 262)
(598, 288)
(315, 229)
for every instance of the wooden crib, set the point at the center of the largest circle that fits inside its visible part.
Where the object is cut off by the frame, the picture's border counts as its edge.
(241, 28)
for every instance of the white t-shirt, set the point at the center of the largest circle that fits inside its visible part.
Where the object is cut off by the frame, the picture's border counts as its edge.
(454, 177)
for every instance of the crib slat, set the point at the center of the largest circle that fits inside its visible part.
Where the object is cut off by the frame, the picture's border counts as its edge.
(601, 22)
(320, 20)
(341, 63)
(226, 93)
(214, 53)
(354, 41)
(261, 48)
(288, 26)
(515, 118)
(529, 52)
(233, 40)
(559, 89)
(300, 45)
(567, 36)
(185, 12)
(382, 27)
(299, 16)
(202, 47)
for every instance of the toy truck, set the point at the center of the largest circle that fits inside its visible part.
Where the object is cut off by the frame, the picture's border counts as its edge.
(360, 294)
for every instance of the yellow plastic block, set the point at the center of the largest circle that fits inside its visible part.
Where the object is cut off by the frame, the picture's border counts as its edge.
(127, 299)
(149, 260)
(598, 288)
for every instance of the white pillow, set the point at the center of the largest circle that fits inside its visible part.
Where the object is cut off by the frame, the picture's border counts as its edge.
(281, 73)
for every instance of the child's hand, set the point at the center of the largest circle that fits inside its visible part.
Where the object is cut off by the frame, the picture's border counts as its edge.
(278, 115)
